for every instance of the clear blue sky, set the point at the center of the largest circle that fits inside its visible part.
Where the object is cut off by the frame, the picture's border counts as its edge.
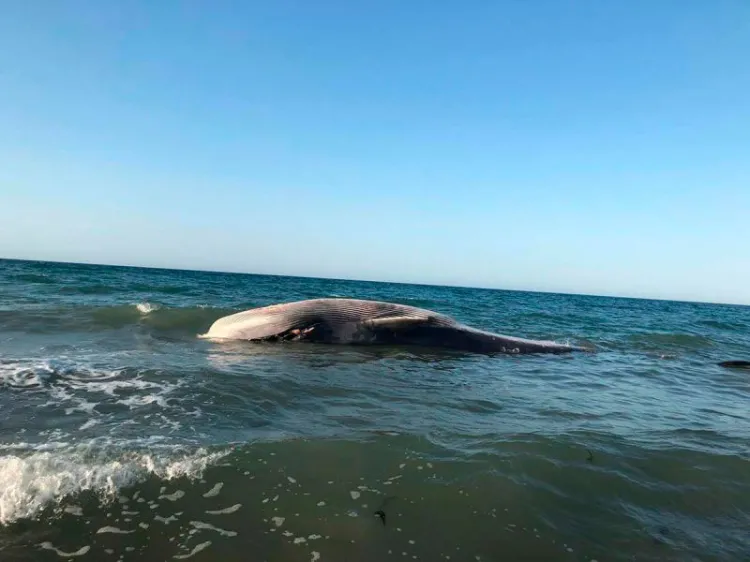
(577, 146)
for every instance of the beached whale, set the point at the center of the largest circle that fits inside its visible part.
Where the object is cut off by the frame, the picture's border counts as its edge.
(366, 322)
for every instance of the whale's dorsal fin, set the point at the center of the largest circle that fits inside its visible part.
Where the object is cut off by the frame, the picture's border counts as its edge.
(398, 322)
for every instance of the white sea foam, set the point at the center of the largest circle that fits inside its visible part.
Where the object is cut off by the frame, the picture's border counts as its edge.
(35, 373)
(88, 424)
(196, 550)
(74, 510)
(214, 491)
(226, 510)
(62, 378)
(74, 387)
(80, 552)
(31, 481)
(20, 374)
(134, 402)
(113, 530)
(147, 307)
(200, 525)
(172, 497)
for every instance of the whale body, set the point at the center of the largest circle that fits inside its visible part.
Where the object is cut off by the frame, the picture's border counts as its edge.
(368, 322)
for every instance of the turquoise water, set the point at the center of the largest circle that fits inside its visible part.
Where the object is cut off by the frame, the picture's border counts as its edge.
(125, 437)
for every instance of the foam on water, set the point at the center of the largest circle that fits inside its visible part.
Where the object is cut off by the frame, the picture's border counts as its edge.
(58, 375)
(214, 491)
(200, 525)
(114, 530)
(80, 552)
(76, 388)
(198, 548)
(29, 483)
(225, 511)
(173, 496)
(147, 307)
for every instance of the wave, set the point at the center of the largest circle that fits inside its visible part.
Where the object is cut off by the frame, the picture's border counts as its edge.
(105, 286)
(149, 315)
(88, 290)
(164, 289)
(33, 278)
(104, 289)
(30, 482)
(97, 443)
(661, 340)
(89, 400)
(147, 307)
(733, 326)
(288, 503)
(45, 374)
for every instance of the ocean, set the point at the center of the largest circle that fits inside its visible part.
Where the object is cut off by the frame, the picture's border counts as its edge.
(123, 436)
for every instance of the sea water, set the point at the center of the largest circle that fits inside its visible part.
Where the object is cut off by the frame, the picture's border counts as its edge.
(123, 436)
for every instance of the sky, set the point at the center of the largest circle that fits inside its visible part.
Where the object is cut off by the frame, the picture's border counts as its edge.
(572, 146)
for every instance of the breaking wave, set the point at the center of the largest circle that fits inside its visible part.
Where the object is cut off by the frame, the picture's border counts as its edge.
(31, 481)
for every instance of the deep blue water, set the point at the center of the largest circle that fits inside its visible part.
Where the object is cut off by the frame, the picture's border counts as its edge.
(124, 436)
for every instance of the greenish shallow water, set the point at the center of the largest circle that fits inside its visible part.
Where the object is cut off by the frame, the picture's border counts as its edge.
(124, 437)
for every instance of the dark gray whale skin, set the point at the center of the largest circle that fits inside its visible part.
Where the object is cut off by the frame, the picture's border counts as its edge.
(368, 322)
(736, 364)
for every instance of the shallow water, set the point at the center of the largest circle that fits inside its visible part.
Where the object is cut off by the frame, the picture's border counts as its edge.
(123, 436)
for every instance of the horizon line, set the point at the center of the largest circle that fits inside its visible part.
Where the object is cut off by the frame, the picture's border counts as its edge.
(357, 280)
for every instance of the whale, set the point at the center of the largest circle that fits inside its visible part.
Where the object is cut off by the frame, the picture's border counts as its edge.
(368, 322)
